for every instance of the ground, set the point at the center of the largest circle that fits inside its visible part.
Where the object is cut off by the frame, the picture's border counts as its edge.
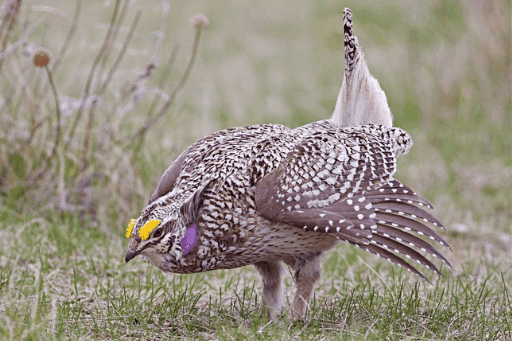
(444, 65)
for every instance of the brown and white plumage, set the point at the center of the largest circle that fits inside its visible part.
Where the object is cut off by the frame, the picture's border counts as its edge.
(267, 194)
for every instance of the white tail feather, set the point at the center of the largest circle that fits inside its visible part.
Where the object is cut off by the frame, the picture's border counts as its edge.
(361, 99)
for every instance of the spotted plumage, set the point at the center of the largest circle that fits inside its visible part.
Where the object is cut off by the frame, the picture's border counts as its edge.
(267, 194)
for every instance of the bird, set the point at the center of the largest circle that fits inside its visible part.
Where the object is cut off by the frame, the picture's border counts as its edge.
(268, 196)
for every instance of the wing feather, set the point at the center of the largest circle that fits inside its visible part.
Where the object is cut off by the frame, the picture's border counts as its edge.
(341, 182)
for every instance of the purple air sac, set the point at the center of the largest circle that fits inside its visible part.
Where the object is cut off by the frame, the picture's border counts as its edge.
(189, 239)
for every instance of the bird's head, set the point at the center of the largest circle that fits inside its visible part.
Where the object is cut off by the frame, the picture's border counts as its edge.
(164, 232)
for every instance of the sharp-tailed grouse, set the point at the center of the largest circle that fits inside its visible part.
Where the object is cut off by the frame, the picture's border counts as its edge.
(267, 194)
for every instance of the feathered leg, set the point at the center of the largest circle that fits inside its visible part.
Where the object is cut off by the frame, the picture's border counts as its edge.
(306, 274)
(272, 274)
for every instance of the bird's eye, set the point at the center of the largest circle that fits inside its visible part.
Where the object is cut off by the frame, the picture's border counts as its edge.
(158, 232)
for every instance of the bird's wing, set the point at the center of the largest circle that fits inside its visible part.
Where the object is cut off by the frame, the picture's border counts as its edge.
(341, 182)
(168, 179)
(211, 147)
(315, 185)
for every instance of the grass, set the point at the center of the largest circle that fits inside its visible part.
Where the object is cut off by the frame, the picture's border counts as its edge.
(74, 284)
(445, 67)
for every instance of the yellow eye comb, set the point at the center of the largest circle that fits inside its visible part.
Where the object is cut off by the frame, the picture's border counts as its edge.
(130, 228)
(146, 229)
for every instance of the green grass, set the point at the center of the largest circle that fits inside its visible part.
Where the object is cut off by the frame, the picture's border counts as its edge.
(70, 284)
(445, 67)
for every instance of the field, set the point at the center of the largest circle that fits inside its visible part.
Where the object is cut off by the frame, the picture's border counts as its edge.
(85, 139)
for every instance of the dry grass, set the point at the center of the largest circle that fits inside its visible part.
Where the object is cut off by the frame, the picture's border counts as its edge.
(66, 151)
(66, 197)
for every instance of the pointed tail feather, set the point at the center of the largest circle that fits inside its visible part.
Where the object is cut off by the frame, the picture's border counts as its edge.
(361, 99)
(350, 41)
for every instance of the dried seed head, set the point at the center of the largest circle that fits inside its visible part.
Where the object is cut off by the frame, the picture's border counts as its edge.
(41, 57)
(199, 20)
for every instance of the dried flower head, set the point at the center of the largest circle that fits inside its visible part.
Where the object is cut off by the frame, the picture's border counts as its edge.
(199, 20)
(148, 228)
(41, 57)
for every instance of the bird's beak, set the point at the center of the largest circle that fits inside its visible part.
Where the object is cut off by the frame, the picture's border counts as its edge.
(129, 255)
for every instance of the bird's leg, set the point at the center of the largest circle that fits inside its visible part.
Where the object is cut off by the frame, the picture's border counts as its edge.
(272, 274)
(306, 274)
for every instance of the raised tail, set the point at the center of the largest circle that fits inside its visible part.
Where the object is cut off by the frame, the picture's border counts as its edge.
(361, 99)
